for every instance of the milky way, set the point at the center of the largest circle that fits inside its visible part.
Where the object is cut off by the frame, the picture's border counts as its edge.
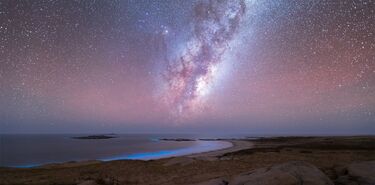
(190, 75)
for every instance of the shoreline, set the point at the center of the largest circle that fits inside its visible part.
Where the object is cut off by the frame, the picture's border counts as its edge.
(237, 145)
(199, 149)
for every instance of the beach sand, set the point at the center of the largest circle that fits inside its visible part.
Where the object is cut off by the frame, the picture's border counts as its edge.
(237, 145)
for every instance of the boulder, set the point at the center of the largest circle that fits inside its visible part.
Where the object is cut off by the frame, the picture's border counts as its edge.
(291, 173)
(264, 177)
(295, 172)
(361, 173)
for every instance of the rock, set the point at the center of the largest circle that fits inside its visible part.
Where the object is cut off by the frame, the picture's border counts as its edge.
(361, 173)
(291, 173)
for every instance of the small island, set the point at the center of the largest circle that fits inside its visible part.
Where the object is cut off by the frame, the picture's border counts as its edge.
(95, 137)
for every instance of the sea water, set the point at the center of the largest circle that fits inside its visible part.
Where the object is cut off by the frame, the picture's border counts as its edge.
(29, 150)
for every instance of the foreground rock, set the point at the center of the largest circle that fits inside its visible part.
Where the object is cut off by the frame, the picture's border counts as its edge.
(291, 173)
(358, 173)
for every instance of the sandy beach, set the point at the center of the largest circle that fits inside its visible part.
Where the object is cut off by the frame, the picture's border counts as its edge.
(237, 145)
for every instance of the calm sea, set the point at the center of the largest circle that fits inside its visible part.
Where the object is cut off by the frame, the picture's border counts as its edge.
(33, 150)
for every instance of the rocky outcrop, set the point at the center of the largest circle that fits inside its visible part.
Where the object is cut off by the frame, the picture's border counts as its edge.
(358, 173)
(291, 173)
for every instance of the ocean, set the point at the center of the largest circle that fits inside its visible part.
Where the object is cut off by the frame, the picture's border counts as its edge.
(30, 150)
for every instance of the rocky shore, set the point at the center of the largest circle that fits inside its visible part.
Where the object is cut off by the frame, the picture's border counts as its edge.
(268, 161)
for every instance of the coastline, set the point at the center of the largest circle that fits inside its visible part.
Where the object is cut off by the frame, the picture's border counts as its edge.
(326, 155)
(202, 148)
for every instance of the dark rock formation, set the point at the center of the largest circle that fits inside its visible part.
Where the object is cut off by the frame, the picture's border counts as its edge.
(291, 173)
(358, 173)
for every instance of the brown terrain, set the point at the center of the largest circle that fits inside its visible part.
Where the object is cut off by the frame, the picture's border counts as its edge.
(278, 160)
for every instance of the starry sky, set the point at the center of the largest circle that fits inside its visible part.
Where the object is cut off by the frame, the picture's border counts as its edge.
(241, 66)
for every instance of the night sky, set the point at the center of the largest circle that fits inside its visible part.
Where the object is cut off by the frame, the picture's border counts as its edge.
(251, 66)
